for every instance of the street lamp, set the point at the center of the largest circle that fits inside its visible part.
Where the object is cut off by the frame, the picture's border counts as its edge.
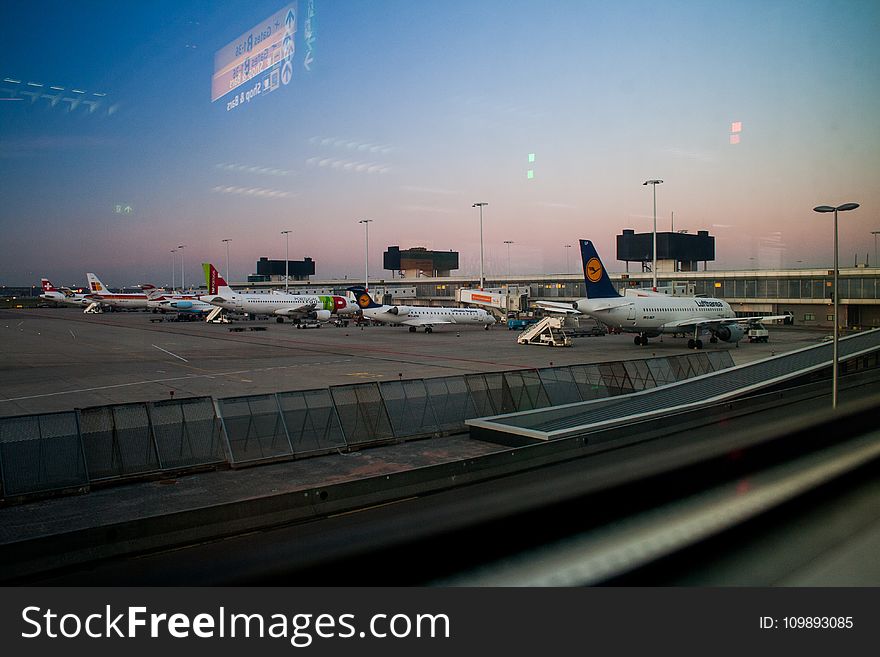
(227, 258)
(173, 268)
(286, 234)
(180, 248)
(480, 205)
(567, 247)
(835, 210)
(366, 223)
(508, 243)
(654, 184)
(875, 233)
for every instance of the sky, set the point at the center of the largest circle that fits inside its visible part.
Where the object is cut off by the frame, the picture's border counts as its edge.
(407, 113)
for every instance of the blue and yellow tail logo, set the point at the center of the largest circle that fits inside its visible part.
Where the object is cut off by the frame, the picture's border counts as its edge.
(364, 300)
(593, 270)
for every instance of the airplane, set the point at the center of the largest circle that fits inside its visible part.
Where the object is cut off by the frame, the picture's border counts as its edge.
(158, 300)
(654, 314)
(63, 295)
(416, 316)
(318, 307)
(131, 300)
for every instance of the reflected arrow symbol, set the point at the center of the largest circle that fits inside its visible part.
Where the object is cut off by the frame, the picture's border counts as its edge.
(308, 60)
(289, 19)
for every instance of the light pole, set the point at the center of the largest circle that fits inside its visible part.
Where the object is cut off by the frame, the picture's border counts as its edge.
(366, 223)
(654, 184)
(227, 258)
(508, 243)
(180, 248)
(286, 234)
(840, 208)
(875, 233)
(173, 269)
(480, 205)
(567, 247)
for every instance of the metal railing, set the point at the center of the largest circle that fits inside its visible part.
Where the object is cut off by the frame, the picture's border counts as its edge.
(73, 450)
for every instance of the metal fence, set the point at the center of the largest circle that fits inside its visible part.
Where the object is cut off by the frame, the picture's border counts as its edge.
(71, 450)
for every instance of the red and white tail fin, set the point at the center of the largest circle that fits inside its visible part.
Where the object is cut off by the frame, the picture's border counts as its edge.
(47, 285)
(216, 283)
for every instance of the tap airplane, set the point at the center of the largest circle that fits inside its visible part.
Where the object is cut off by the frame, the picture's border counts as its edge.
(129, 300)
(318, 307)
(419, 316)
(654, 314)
(63, 295)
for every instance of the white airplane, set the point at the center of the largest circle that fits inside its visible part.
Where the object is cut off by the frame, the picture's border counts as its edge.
(651, 315)
(63, 295)
(318, 307)
(131, 300)
(419, 316)
(158, 300)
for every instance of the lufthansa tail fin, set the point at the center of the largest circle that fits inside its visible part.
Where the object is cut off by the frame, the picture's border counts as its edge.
(363, 298)
(598, 282)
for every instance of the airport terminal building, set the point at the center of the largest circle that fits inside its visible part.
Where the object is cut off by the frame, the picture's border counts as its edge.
(805, 293)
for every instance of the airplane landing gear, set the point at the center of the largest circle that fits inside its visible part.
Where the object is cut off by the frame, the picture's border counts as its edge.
(412, 329)
(640, 340)
(695, 344)
(428, 329)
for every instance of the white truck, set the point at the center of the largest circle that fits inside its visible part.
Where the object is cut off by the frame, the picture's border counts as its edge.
(758, 333)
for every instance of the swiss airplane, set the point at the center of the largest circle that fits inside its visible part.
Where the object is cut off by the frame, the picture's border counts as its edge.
(64, 295)
(419, 316)
(650, 316)
(318, 307)
(130, 300)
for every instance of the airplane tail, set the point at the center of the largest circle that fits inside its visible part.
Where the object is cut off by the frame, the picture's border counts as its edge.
(216, 284)
(598, 282)
(363, 298)
(47, 285)
(95, 285)
(154, 293)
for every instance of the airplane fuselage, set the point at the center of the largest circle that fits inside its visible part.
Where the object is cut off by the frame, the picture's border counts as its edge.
(649, 315)
(426, 316)
(281, 304)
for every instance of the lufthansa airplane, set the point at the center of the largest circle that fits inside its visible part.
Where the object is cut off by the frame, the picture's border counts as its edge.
(653, 315)
(419, 316)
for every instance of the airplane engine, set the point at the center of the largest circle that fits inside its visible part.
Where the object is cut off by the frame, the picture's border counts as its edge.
(400, 312)
(183, 305)
(730, 333)
(320, 315)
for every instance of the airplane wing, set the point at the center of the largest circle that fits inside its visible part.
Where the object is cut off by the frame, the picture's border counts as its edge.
(568, 309)
(705, 321)
(555, 307)
(296, 310)
(425, 322)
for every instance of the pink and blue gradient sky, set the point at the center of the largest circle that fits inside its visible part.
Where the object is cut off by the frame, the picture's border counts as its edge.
(412, 111)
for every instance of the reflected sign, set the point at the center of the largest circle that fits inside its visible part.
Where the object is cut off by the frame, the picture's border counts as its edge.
(257, 62)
